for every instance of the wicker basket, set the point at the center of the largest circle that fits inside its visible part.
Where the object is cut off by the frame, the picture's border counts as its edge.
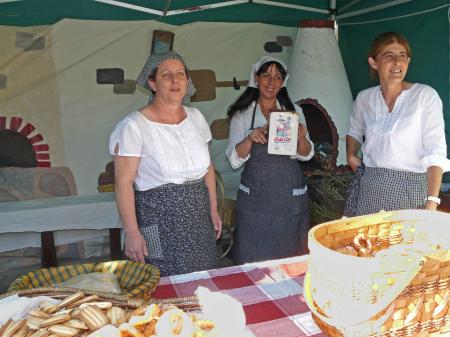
(137, 280)
(404, 290)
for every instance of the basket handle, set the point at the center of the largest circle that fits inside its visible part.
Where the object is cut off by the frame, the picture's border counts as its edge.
(350, 322)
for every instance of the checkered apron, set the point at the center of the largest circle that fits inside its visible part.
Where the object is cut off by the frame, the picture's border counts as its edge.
(351, 202)
(175, 221)
(386, 189)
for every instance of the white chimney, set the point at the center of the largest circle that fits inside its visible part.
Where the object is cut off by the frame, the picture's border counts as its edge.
(319, 83)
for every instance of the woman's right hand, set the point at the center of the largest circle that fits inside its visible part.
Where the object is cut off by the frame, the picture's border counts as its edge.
(354, 162)
(258, 135)
(135, 246)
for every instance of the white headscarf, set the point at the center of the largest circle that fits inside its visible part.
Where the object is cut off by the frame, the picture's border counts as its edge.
(257, 65)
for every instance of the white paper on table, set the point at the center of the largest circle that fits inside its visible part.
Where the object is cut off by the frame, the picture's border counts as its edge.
(225, 311)
(16, 307)
(283, 131)
(106, 331)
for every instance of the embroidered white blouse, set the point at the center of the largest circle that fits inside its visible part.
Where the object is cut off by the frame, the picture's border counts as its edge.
(170, 153)
(410, 138)
(240, 128)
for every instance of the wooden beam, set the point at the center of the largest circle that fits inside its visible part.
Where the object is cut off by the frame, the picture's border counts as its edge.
(115, 246)
(48, 250)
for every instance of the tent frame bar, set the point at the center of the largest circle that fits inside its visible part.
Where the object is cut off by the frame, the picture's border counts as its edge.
(332, 10)
(167, 12)
(279, 4)
(372, 9)
(205, 7)
(166, 9)
(129, 6)
(350, 4)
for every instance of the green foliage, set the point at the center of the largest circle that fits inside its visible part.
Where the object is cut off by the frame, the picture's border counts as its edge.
(327, 196)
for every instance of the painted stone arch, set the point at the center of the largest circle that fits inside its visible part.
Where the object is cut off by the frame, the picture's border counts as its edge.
(26, 130)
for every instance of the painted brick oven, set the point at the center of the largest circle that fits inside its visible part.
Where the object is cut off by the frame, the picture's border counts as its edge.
(19, 147)
(25, 167)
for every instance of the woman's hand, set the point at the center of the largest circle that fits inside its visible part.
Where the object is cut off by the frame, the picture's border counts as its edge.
(353, 147)
(354, 162)
(258, 135)
(431, 205)
(135, 246)
(217, 222)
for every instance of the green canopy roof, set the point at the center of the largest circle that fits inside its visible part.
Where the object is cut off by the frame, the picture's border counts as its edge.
(278, 12)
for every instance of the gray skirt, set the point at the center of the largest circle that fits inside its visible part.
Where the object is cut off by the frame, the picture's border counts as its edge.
(175, 221)
(389, 190)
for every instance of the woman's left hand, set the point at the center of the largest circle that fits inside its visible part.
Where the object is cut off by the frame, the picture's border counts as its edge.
(217, 222)
(431, 205)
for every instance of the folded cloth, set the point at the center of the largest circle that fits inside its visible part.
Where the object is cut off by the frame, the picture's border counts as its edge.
(16, 307)
(225, 311)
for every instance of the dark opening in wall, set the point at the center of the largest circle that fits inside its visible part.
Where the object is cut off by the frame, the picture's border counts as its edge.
(16, 150)
(323, 134)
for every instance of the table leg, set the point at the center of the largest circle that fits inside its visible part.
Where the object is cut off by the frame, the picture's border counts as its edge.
(115, 247)
(48, 250)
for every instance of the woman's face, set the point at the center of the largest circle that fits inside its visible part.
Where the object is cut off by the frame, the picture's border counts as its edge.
(270, 82)
(391, 63)
(170, 82)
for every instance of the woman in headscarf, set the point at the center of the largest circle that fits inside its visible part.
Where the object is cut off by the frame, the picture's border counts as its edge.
(165, 181)
(272, 206)
(400, 128)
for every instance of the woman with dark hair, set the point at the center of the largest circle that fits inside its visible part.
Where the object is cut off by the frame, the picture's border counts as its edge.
(165, 181)
(400, 128)
(272, 213)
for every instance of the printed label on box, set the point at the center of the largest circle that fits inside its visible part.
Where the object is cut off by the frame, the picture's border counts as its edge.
(283, 130)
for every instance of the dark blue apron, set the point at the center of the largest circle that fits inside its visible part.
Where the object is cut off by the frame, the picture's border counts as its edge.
(272, 211)
(175, 221)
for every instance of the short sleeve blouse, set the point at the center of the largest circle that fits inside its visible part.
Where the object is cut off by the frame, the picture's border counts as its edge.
(170, 153)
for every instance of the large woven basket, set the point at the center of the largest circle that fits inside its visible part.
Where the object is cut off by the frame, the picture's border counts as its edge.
(137, 280)
(404, 290)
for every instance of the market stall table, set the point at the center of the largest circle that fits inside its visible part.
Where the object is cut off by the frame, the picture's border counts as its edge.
(28, 223)
(271, 294)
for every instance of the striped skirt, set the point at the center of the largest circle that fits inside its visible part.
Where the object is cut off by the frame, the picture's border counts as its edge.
(386, 189)
(175, 221)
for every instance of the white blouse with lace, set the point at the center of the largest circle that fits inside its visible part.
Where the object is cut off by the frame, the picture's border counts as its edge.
(170, 153)
(409, 138)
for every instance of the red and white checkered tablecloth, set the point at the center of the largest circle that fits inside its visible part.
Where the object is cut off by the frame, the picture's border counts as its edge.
(271, 294)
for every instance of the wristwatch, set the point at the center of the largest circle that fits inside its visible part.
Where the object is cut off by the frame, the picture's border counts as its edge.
(434, 199)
